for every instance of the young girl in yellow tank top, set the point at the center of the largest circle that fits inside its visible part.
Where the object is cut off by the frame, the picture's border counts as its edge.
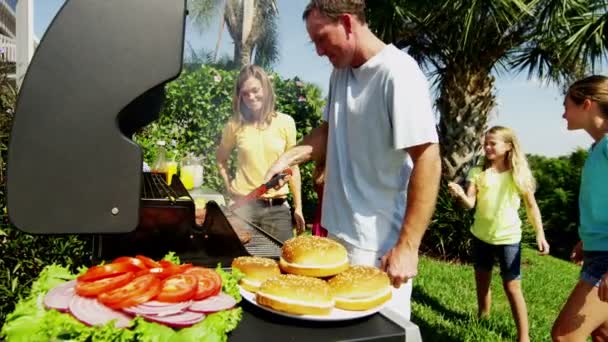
(495, 190)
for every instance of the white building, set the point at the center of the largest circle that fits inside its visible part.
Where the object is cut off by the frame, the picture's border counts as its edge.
(17, 39)
(8, 30)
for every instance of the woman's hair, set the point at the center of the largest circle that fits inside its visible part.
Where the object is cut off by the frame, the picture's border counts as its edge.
(516, 159)
(242, 114)
(594, 88)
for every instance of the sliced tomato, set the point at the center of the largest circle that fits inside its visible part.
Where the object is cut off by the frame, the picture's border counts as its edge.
(137, 291)
(165, 272)
(209, 282)
(134, 261)
(96, 287)
(178, 288)
(150, 263)
(108, 270)
(166, 263)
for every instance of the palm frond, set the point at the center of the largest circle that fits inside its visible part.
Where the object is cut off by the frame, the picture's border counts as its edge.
(589, 39)
(204, 12)
(267, 44)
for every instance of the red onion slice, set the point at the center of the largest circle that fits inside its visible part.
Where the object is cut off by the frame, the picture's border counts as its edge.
(216, 303)
(181, 320)
(59, 297)
(157, 308)
(91, 312)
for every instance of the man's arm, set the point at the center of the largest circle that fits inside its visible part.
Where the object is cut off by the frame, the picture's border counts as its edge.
(401, 262)
(312, 147)
(421, 193)
(295, 185)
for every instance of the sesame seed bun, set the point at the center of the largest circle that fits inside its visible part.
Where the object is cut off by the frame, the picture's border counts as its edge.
(256, 270)
(313, 256)
(360, 288)
(296, 294)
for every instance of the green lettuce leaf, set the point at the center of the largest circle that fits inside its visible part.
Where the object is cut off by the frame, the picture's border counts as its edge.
(230, 282)
(27, 321)
(151, 332)
(173, 258)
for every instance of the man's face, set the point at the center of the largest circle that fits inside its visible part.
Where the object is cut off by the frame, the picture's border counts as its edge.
(331, 39)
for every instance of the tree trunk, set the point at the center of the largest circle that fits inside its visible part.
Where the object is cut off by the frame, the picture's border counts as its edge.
(245, 57)
(238, 55)
(465, 102)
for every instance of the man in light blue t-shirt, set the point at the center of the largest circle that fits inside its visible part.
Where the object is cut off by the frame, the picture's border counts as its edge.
(379, 143)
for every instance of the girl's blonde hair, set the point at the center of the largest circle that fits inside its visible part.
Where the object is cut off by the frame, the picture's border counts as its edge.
(243, 115)
(515, 160)
(594, 88)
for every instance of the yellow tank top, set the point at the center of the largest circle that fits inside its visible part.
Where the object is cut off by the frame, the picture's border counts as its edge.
(257, 150)
(497, 219)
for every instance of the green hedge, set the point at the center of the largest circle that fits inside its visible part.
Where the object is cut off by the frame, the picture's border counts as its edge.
(198, 105)
(558, 182)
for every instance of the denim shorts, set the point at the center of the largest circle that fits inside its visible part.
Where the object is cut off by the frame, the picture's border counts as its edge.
(595, 265)
(509, 258)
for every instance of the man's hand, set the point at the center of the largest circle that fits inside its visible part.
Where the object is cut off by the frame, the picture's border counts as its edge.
(401, 264)
(277, 168)
(300, 223)
(232, 192)
(577, 253)
(602, 291)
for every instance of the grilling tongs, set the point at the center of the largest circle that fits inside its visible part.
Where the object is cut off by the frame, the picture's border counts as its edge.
(261, 190)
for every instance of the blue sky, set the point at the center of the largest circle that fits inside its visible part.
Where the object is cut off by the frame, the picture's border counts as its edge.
(532, 109)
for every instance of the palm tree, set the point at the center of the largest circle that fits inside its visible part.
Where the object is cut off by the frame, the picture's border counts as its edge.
(252, 24)
(463, 42)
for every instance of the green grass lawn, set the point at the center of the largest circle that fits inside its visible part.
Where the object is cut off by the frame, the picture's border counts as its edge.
(444, 304)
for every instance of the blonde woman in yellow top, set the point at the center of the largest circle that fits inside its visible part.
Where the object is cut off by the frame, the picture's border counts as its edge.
(260, 135)
(495, 190)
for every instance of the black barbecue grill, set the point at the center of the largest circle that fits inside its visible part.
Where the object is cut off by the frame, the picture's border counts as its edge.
(97, 77)
(167, 224)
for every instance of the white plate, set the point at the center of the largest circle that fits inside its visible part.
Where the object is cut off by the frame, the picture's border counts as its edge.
(335, 314)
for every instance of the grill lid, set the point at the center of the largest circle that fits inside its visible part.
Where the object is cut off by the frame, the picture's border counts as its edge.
(97, 76)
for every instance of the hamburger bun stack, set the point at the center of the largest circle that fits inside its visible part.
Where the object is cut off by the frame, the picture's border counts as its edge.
(360, 288)
(313, 256)
(256, 270)
(305, 259)
(296, 294)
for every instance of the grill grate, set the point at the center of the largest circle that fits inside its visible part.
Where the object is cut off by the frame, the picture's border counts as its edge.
(261, 246)
(155, 187)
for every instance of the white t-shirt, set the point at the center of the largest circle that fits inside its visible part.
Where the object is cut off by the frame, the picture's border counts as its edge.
(374, 112)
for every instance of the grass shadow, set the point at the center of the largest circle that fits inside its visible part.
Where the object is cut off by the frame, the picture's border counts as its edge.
(439, 331)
